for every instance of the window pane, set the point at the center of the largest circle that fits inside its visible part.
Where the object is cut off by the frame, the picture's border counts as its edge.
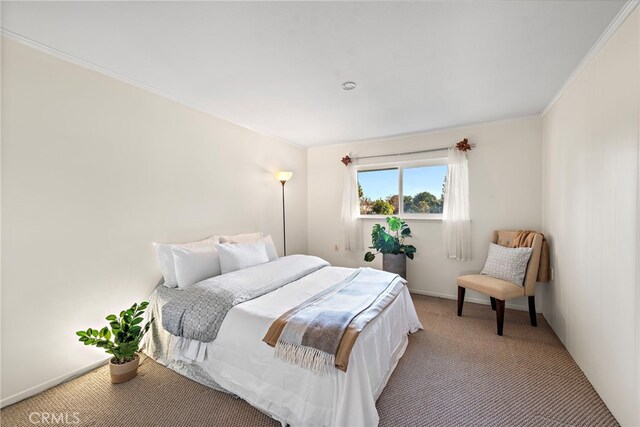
(423, 189)
(378, 192)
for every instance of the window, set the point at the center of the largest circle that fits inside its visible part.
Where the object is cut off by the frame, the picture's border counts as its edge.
(378, 191)
(420, 186)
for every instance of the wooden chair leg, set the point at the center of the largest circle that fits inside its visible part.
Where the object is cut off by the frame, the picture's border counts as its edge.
(493, 303)
(500, 315)
(532, 311)
(460, 299)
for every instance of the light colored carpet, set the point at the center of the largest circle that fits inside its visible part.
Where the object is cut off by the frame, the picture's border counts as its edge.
(457, 372)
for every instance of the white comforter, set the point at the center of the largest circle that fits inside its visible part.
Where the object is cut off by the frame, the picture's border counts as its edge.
(241, 363)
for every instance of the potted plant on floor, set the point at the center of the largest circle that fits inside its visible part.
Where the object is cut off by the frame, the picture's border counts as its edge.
(391, 245)
(121, 339)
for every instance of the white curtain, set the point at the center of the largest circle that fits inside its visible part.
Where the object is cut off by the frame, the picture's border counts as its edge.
(353, 241)
(456, 230)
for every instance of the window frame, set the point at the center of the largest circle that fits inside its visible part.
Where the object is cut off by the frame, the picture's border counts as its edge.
(400, 166)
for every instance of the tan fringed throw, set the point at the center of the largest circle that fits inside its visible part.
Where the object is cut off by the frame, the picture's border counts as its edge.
(524, 239)
(321, 332)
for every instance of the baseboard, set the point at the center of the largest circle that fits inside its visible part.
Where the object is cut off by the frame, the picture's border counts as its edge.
(52, 383)
(90, 367)
(467, 299)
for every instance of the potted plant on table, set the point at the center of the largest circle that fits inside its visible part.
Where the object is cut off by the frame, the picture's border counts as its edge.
(391, 245)
(121, 339)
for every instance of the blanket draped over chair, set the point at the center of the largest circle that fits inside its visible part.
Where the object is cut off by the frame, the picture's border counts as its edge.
(320, 333)
(524, 239)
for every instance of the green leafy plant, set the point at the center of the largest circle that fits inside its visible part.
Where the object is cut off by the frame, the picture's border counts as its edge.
(122, 337)
(392, 241)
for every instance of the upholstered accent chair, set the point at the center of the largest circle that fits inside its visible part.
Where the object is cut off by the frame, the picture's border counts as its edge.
(500, 291)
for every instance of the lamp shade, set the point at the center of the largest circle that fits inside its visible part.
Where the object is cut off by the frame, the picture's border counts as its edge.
(284, 176)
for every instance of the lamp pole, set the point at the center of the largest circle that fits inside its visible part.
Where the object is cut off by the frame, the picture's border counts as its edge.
(283, 177)
(284, 222)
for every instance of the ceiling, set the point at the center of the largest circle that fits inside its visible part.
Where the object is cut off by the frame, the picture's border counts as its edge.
(278, 67)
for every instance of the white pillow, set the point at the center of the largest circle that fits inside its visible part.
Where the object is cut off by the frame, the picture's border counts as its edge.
(253, 238)
(165, 257)
(195, 264)
(241, 255)
(270, 247)
(508, 264)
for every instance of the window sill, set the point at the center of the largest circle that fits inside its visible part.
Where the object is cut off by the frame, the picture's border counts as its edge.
(379, 218)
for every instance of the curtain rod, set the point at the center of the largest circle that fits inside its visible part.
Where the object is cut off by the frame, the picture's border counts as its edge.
(462, 146)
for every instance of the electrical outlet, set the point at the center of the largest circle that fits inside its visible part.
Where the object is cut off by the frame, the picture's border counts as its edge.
(336, 248)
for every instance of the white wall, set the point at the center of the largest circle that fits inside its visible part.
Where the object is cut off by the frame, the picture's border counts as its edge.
(505, 193)
(93, 171)
(590, 196)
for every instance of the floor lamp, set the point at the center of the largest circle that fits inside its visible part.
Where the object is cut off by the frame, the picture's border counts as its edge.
(283, 177)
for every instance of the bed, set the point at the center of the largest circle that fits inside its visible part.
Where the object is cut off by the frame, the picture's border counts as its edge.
(239, 362)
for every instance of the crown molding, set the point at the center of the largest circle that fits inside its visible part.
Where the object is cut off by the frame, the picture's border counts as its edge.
(428, 132)
(622, 15)
(148, 88)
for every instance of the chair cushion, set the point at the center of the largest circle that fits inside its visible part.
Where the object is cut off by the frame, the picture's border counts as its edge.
(491, 286)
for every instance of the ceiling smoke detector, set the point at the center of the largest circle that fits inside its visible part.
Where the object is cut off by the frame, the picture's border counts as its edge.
(348, 85)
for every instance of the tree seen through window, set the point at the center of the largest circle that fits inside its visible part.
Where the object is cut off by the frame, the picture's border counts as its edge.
(422, 189)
